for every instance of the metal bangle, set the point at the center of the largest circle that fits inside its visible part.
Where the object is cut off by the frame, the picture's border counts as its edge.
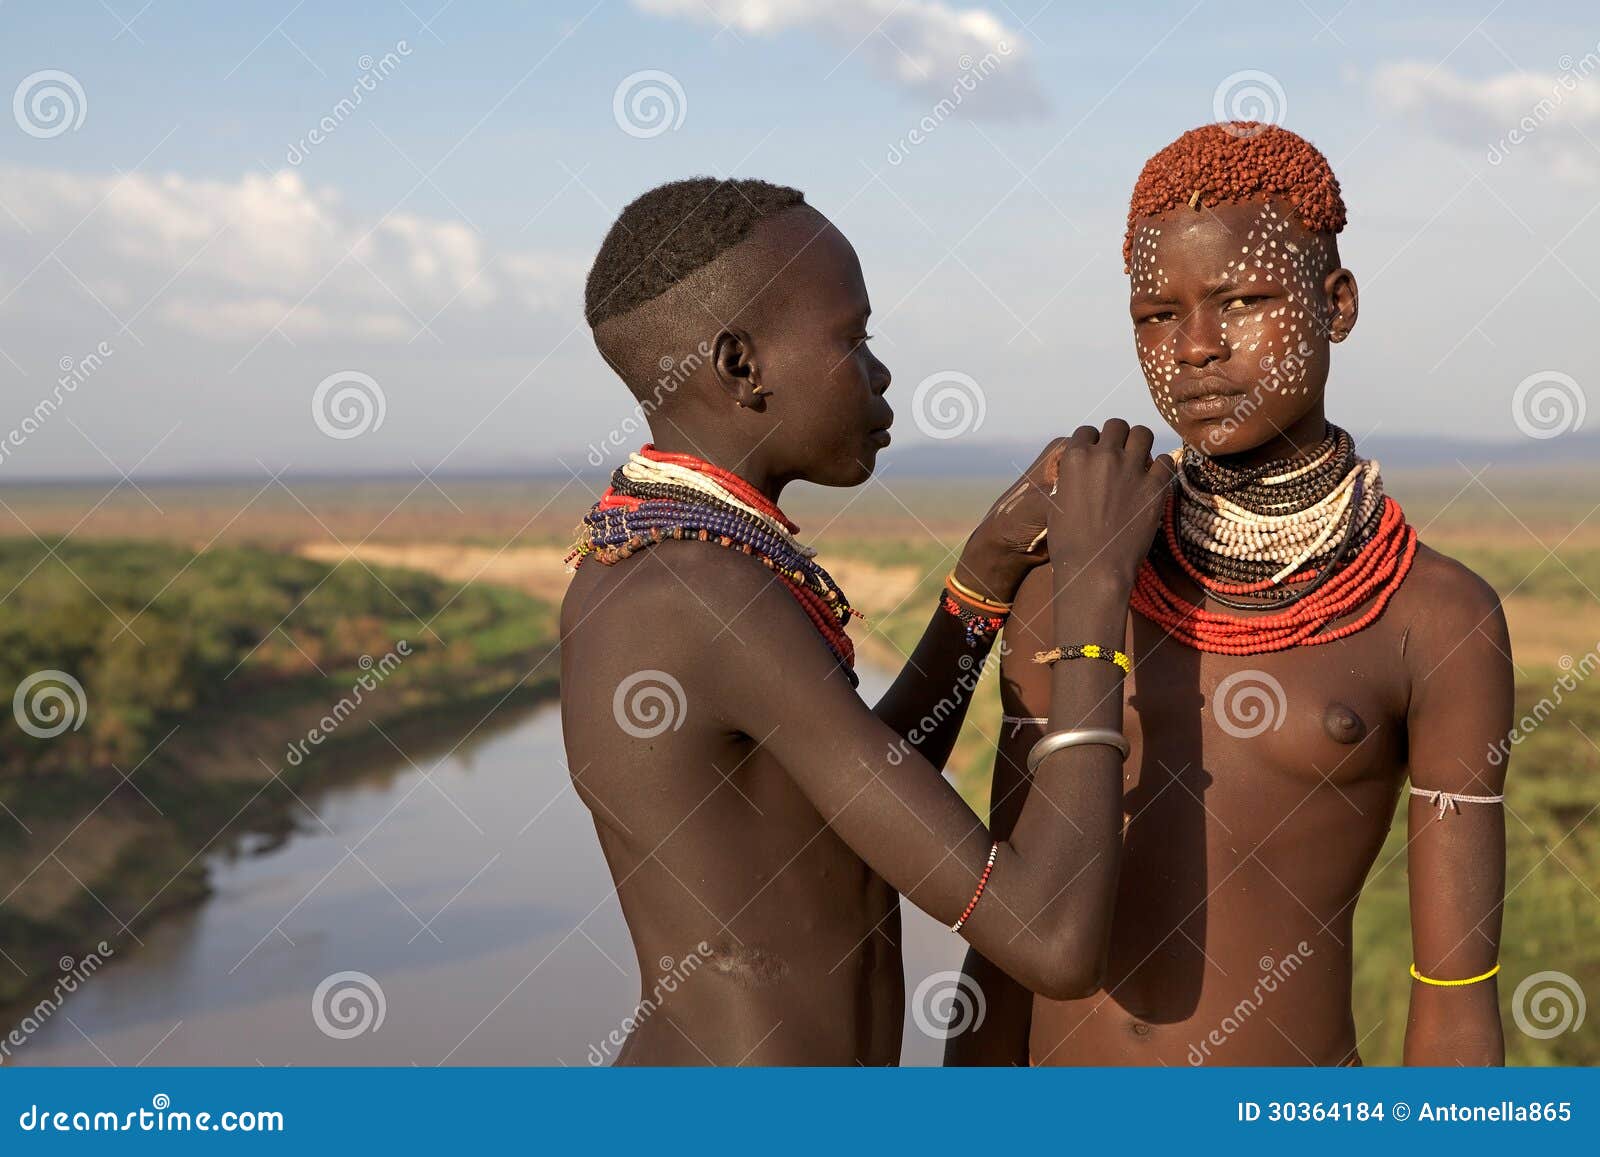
(1057, 740)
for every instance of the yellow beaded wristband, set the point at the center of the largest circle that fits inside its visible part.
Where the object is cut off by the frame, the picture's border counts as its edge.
(1086, 651)
(1415, 975)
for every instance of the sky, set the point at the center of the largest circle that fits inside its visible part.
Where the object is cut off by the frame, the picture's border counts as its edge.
(353, 238)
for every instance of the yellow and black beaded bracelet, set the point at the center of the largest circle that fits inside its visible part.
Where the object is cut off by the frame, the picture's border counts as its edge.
(1086, 651)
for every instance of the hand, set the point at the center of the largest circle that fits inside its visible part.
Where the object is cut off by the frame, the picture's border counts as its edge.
(1108, 502)
(1009, 541)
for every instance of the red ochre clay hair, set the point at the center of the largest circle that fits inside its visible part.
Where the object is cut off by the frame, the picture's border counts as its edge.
(1236, 161)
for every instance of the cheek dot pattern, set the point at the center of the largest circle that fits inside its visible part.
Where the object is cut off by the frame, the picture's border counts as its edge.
(1276, 336)
(1158, 359)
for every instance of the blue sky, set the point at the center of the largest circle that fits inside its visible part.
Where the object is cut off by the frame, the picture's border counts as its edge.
(435, 239)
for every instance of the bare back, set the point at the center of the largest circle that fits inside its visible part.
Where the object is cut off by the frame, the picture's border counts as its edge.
(711, 843)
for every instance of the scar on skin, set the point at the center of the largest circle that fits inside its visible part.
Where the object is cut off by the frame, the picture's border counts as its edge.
(747, 964)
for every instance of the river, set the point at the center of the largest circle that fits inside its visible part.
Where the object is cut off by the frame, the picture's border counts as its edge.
(470, 894)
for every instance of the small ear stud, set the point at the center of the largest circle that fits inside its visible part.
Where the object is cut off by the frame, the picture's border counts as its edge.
(758, 391)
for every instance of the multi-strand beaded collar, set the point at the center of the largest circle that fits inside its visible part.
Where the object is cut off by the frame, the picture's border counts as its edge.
(658, 495)
(1312, 539)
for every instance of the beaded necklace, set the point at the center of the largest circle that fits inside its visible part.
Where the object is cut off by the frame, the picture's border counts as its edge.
(1313, 538)
(657, 495)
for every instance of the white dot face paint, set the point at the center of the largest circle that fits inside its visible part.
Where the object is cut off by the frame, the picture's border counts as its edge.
(1252, 316)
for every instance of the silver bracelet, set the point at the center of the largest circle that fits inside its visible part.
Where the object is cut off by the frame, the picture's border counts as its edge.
(1057, 740)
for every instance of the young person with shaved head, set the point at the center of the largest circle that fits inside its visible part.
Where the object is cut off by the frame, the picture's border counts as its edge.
(756, 814)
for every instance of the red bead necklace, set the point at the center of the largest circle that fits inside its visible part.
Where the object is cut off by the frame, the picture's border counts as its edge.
(1374, 574)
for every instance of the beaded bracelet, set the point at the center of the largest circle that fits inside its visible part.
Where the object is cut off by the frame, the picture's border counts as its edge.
(983, 880)
(981, 618)
(972, 596)
(1086, 651)
(1415, 975)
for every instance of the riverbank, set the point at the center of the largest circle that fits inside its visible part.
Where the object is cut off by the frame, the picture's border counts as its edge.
(200, 696)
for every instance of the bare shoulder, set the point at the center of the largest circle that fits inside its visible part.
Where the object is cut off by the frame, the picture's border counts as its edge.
(691, 598)
(1444, 600)
(1455, 644)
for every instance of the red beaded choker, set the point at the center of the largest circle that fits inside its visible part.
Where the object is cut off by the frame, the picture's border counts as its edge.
(1372, 575)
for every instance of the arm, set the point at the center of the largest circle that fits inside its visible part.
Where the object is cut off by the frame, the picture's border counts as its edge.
(929, 699)
(1002, 1039)
(1460, 710)
(1047, 907)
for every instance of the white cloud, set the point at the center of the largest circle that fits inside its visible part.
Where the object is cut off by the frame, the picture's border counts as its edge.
(234, 259)
(1545, 117)
(923, 46)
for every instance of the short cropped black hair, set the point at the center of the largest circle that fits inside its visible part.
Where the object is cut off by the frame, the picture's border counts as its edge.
(669, 232)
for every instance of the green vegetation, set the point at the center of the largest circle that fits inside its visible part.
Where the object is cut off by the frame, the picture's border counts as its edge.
(1552, 915)
(156, 634)
(204, 676)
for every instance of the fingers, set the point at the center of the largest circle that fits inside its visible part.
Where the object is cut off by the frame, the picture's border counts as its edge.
(1141, 439)
(1084, 436)
(1114, 434)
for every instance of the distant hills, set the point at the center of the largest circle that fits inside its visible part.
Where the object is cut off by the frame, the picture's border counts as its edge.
(963, 457)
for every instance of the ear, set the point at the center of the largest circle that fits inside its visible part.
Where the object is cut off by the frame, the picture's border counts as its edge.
(738, 373)
(1344, 304)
